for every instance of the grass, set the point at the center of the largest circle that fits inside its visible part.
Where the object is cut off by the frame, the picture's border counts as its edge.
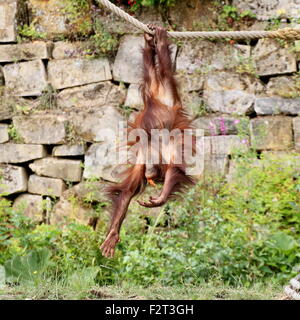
(209, 291)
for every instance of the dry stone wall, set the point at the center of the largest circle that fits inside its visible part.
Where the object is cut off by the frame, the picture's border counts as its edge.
(268, 9)
(49, 150)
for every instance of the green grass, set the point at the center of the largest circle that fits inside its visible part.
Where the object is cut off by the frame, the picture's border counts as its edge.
(209, 291)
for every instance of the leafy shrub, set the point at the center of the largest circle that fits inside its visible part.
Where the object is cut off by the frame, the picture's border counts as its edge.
(29, 267)
(248, 231)
(14, 227)
(238, 232)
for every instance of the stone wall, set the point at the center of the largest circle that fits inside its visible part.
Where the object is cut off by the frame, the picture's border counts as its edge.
(54, 101)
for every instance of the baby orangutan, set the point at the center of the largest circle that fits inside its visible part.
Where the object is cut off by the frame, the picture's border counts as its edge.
(163, 111)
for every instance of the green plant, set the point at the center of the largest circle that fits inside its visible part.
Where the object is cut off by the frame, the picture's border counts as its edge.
(126, 111)
(14, 134)
(82, 280)
(78, 14)
(102, 42)
(30, 32)
(29, 267)
(230, 15)
(246, 65)
(48, 99)
(13, 229)
(245, 231)
(274, 24)
(71, 134)
(199, 110)
(137, 4)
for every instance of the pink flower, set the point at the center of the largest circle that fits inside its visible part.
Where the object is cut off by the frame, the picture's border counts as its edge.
(245, 141)
(223, 128)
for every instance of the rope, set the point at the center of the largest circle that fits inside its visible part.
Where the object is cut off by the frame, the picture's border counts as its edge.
(285, 34)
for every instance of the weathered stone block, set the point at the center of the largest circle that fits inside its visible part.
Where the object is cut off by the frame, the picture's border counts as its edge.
(41, 129)
(215, 166)
(67, 209)
(18, 153)
(46, 186)
(128, 63)
(69, 150)
(10, 13)
(68, 73)
(6, 110)
(231, 93)
(231, 101)
(31, 206)
(69, 170)
(25, 78)
(222, 80)
(284, 86)
(51, 17)
(296, 124)
(134, 97)
(213, 155)
(189, 82)
(271, 133)
(9, 105)
(3, 133)
(220, 125)
(224, 145)
(269, 9)
(92, 126)
(25, 51)
(194, 58)
(100, 162)
(89, 191)
(92, 96)
(67, 50)
(272, 59)
(277, 105)
(191, 89)
(13, 179)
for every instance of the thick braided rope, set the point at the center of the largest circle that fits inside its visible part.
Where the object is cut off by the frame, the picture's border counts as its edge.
(285, 34)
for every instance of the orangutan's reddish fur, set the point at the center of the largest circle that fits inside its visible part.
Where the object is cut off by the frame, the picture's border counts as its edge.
(162, 110)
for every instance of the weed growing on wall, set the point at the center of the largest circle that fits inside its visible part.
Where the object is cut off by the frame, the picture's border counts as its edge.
(102, 42)
(134, 5)
(29, 32)
(14, 134)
